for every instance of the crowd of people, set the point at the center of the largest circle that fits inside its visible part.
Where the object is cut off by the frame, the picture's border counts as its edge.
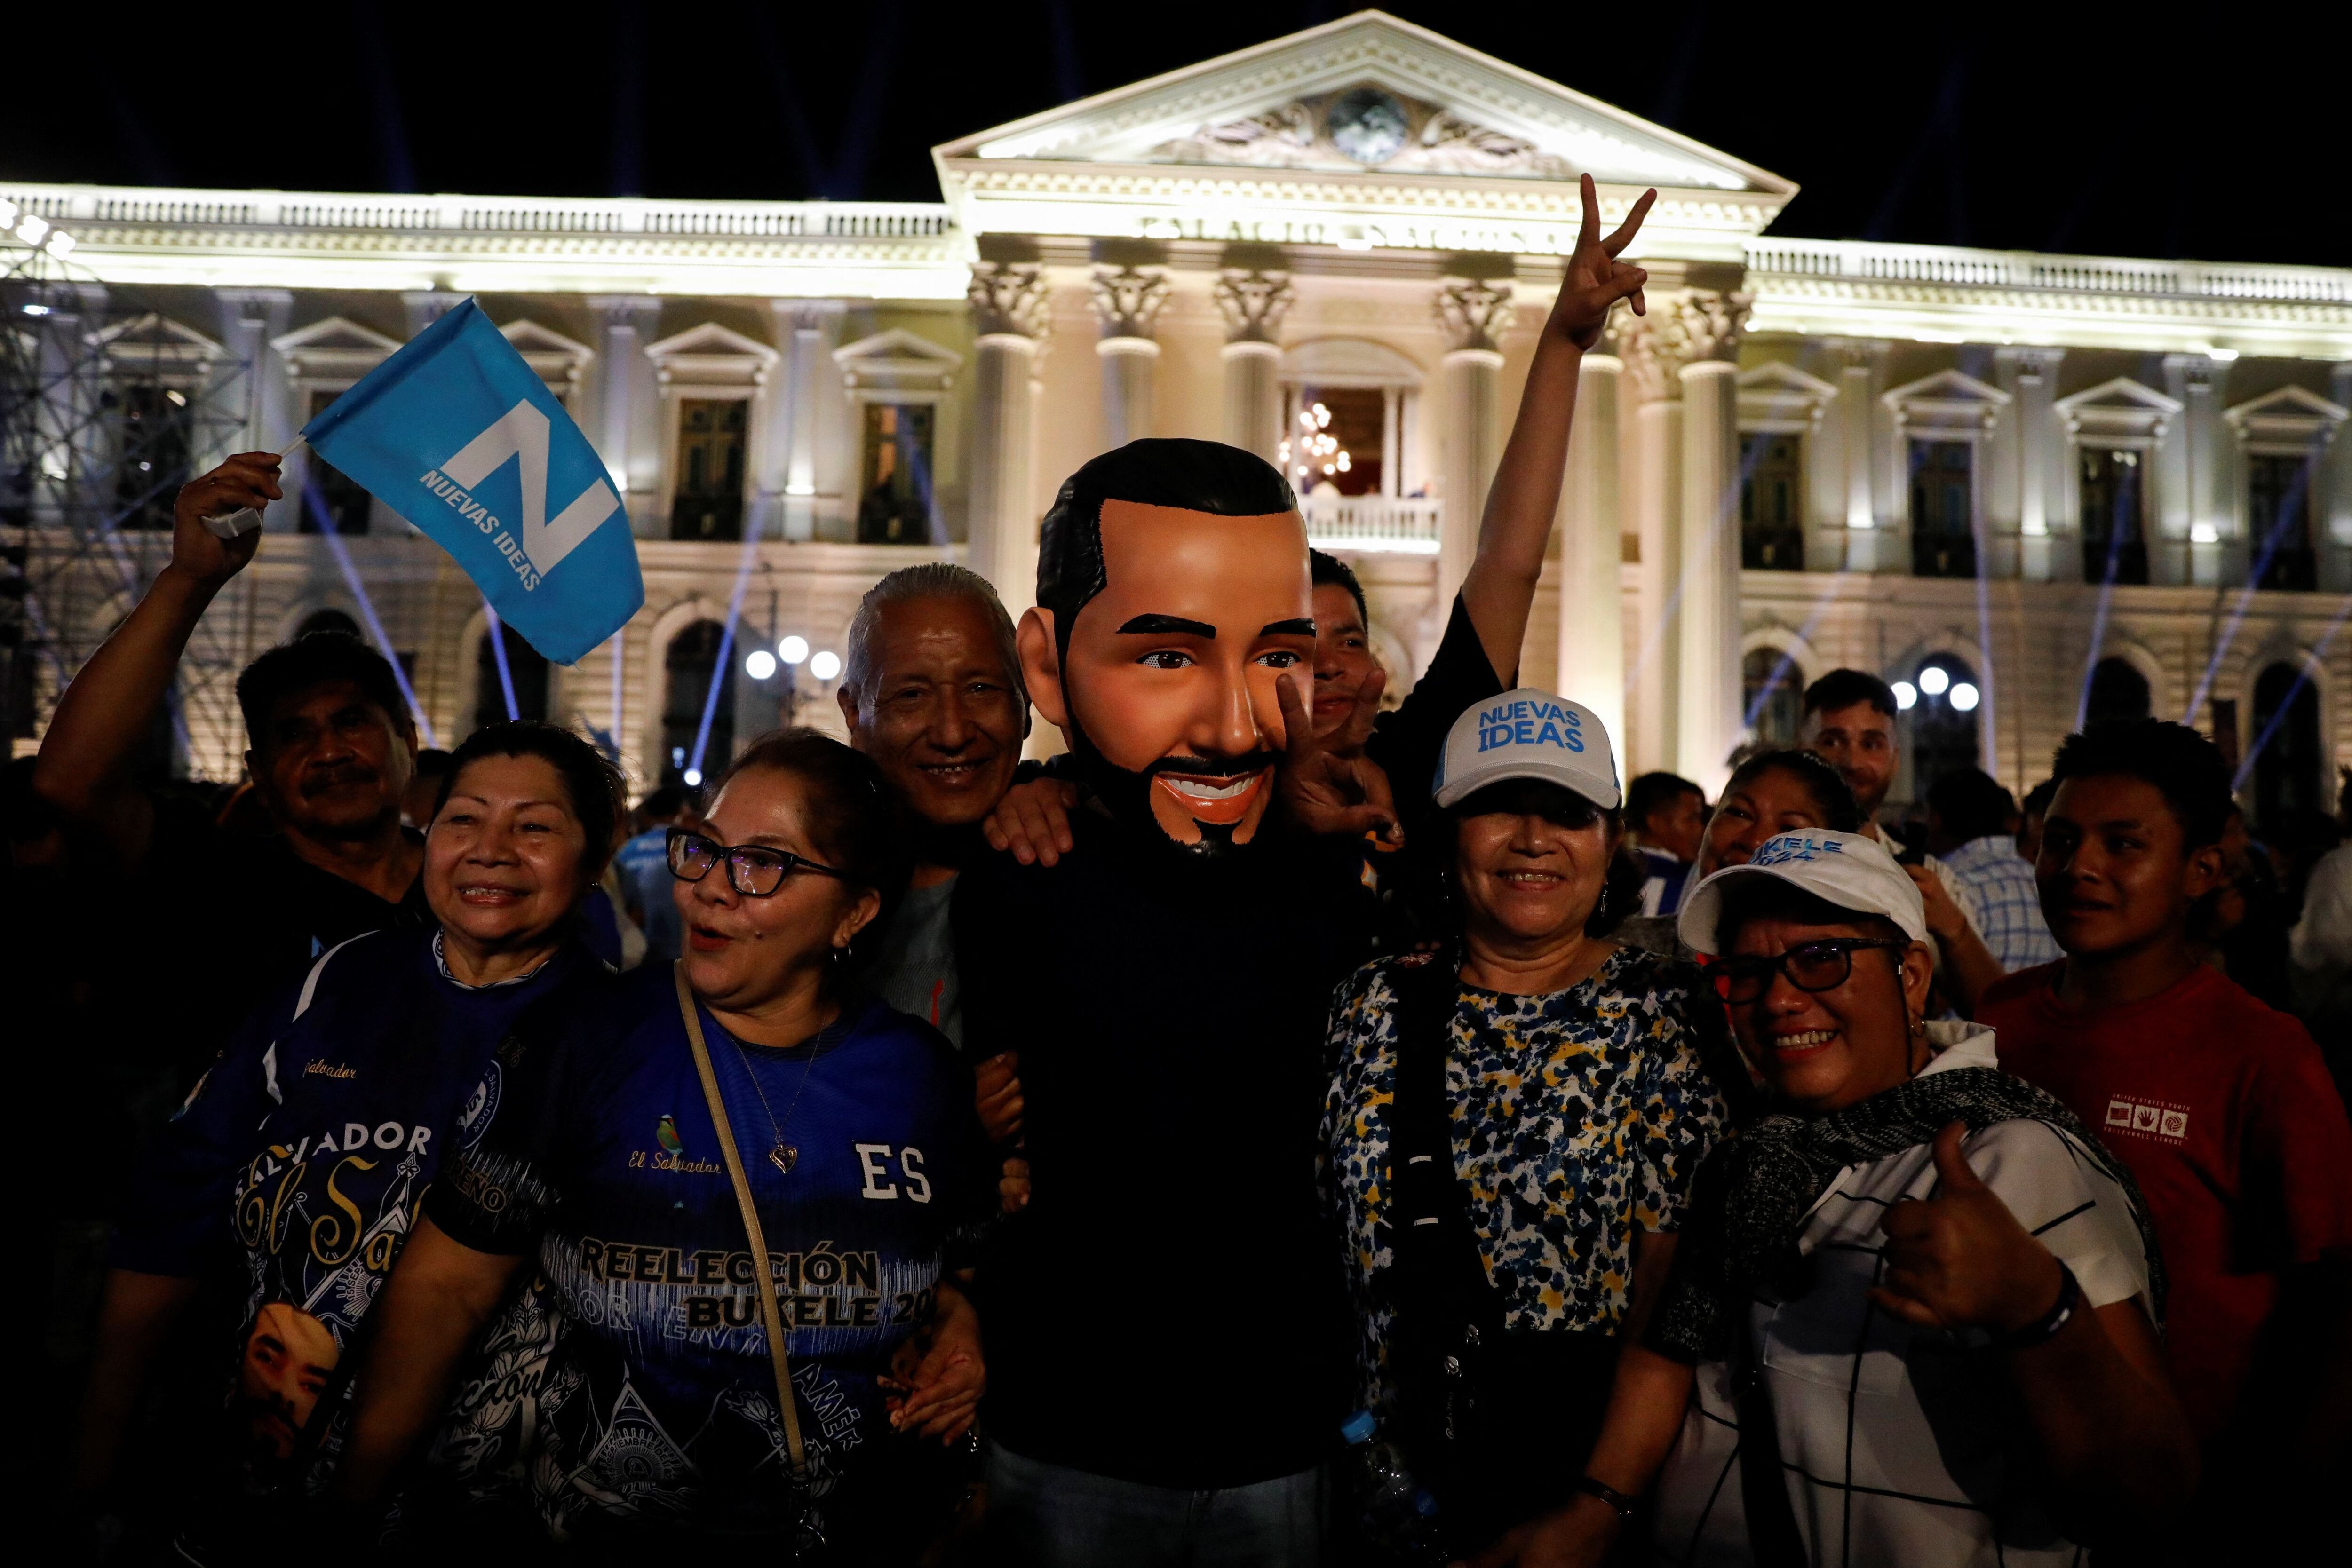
(1286, 1126)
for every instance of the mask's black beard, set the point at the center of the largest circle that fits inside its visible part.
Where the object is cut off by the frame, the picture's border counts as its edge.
(1126, 795)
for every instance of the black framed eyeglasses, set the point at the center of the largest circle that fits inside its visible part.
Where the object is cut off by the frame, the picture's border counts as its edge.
(1822, 965)
(754, 871)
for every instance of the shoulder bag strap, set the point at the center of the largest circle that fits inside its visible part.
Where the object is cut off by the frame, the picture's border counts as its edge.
(771, 1315)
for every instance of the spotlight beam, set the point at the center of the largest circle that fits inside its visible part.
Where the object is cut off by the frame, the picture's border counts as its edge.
(2286, 703)
(314, 499)
(2246, 597)
(719, 672)
(499, 651)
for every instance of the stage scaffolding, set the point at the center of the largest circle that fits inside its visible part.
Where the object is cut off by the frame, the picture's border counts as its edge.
(108, 404)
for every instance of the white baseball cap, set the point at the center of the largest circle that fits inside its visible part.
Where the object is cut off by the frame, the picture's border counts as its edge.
(1528, 734)
(1853, 870)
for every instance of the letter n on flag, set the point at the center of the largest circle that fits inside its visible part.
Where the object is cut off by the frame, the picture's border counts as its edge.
(461, 437)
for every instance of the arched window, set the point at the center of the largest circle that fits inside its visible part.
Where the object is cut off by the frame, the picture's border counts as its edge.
(526, 672)
(2118, 691)
(1943, 697)
(2288, 767)
(689, 668)
(1772, 692)
(328, 620)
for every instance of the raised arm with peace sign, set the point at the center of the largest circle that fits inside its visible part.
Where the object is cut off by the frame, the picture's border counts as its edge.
(1500, 585)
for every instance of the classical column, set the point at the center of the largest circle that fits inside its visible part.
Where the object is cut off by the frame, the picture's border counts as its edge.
(1009, 310)
(1254, 303)
(628, 402)
(251, 318)
(1708, 721)
(1653, 490)
(1592, 631)
(788, 468)
(1128, 302)
(1868, 547)
(1473, 314)
(2030, 376)
(2195, 521)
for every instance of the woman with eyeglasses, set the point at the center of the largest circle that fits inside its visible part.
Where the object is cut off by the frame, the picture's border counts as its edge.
(636, 1379)
(1509, 1132)
(1922, 1302)
(302, 1154)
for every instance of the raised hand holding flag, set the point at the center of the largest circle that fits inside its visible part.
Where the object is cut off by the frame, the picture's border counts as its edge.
(460, 436)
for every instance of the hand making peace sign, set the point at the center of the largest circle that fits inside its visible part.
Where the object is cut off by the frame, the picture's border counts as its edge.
(1595, 279)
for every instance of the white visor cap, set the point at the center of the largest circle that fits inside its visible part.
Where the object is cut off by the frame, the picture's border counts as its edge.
(1853, 870)
(1527, 734)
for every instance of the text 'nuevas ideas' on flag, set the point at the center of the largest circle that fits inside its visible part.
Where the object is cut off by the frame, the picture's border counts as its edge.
(460, 436)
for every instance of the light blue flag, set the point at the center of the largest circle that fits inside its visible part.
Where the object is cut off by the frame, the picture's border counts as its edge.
(461, 437)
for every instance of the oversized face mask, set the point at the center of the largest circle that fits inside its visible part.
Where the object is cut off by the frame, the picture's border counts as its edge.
(1167, 692)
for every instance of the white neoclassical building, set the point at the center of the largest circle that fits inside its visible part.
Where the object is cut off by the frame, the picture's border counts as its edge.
(2028, 488)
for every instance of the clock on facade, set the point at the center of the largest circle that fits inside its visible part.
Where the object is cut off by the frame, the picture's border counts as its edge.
(1367, 125)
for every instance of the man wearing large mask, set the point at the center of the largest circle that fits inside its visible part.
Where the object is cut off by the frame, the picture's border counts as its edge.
(1166, 1339)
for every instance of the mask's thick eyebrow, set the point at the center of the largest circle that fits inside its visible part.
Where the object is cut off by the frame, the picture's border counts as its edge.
(1302, 627)
(1164, 625)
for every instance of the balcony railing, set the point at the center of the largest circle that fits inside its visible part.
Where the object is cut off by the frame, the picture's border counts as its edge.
(134, 207)
(1867, 261)
(1369, 523)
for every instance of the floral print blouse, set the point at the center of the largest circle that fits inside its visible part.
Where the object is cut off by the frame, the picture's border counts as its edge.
(1577, 1117)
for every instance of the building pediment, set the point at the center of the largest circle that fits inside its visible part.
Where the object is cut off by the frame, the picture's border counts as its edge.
(897, 363)
(2119, 410)
(1415, 142)
(153, 342)
(711, 357)
(1776, 398)
(2287, 422)
(334, 349)
(1949, 405)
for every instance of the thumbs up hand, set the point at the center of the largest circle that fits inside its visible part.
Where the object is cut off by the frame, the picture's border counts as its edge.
(1961, 1260)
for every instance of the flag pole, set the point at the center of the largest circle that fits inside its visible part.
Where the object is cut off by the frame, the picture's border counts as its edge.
(245, 519)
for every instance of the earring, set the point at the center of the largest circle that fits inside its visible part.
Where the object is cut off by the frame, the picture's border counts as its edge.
(1919, 1029)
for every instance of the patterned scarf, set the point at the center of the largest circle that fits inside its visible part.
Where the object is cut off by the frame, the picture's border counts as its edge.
(1750, 1198)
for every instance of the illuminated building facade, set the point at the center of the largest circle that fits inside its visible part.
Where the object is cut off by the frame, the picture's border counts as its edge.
(2057, 486)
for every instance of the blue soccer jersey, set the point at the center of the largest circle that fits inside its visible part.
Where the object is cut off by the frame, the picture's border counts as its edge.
(650, 1398)
(306, 1150)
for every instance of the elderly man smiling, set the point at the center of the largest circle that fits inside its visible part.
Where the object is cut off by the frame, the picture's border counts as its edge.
(932, 692)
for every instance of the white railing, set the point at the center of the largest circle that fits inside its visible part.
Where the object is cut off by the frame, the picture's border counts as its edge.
(503, 214)
(1368, 523)
(1865, 261)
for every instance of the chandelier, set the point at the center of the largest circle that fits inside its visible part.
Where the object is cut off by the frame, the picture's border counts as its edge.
(1316, 449)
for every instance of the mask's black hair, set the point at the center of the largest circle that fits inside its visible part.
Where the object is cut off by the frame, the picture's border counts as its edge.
(1195, 475)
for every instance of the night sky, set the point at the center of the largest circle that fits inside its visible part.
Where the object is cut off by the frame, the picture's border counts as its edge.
(2120, 130)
